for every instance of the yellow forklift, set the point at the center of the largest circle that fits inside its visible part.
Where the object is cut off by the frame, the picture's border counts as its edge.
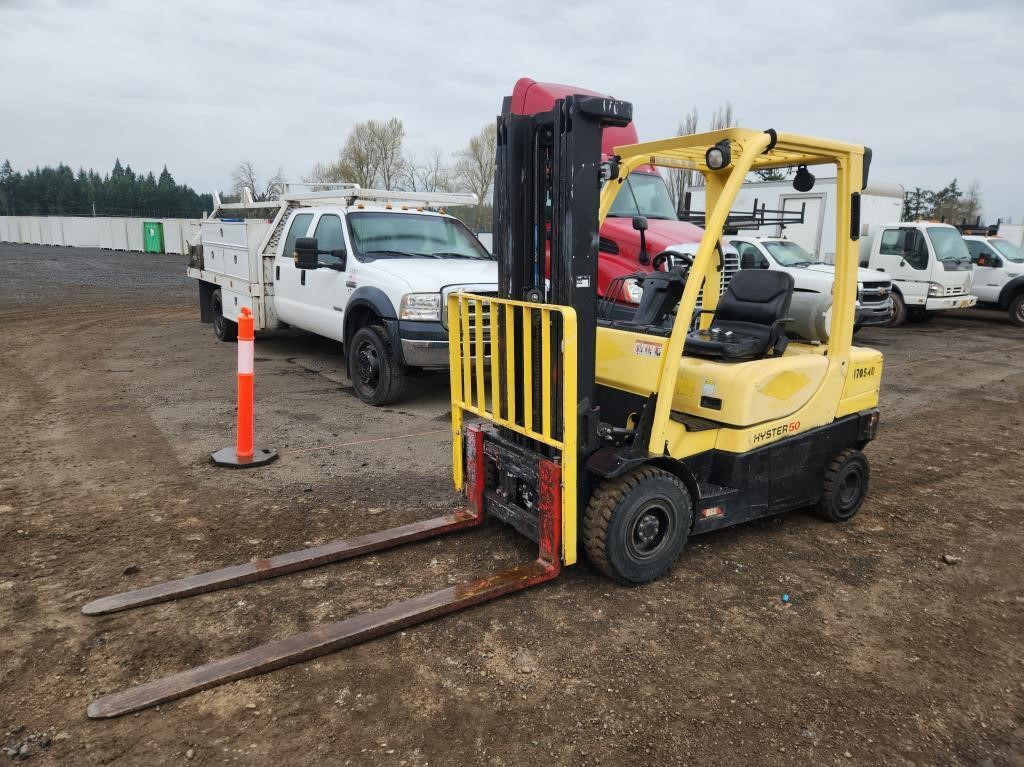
(585, 425)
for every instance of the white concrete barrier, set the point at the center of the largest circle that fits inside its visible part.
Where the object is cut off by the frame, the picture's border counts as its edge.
(102, 232)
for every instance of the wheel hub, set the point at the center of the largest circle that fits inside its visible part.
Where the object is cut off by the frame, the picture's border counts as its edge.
(367, 366)
(649, 531)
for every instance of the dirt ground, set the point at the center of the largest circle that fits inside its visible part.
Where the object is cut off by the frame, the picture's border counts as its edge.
(113, 395)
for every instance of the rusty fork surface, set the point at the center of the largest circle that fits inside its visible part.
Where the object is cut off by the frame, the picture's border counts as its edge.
(282, 564)
(356, 629)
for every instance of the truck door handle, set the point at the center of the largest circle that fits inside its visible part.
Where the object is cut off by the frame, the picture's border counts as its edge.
(302, 279)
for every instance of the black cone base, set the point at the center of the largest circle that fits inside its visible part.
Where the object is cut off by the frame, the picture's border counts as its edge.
(227, 456)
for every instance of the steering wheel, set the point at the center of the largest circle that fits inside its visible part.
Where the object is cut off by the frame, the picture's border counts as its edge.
(668, 255)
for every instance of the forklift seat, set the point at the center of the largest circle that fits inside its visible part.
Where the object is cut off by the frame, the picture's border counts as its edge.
(749, 322)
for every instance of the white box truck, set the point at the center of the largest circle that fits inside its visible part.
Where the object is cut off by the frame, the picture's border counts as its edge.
(929, 265)
(879, 202)
(368, 268)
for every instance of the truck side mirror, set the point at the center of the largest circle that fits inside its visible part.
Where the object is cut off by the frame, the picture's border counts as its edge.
(640, 224)
(306, 253)
(748, 261)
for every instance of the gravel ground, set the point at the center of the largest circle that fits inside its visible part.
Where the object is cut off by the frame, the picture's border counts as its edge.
(901, 645)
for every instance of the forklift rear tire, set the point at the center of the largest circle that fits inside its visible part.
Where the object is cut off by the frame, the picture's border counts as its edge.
(899, 311)
(845, 486)
(377, 375)
(223, 328)
(636, 525)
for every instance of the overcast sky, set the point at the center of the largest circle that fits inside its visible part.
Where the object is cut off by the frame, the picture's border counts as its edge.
(935, 87)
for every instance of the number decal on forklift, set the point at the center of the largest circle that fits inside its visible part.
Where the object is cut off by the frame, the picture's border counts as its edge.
(865, 372)
(646, 349)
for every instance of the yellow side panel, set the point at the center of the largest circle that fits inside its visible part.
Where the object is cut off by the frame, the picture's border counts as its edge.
(748, 392)
(862, 381)
(628, 361)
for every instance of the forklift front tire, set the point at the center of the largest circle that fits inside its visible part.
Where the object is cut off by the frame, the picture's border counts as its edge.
(636, 525)
(845, 486)
(223, 328)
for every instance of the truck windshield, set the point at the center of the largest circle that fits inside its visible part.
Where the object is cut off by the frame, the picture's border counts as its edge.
(948, 244)
(789, 253)
(409, 235)
(1009, 251)
(645, 194)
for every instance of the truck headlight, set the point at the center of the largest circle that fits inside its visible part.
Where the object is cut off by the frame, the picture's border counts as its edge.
(420, 306)
(633, 291)
(935, 290)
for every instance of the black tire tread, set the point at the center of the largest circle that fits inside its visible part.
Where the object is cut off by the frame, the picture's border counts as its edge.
(1014, 310)
(230, 328)
(824, 505)
(395, 379)
(598, 514)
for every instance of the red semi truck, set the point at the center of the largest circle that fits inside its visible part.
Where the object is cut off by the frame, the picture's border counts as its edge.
(646, 195)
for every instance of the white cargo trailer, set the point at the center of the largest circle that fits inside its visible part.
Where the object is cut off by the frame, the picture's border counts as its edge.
(880, 203)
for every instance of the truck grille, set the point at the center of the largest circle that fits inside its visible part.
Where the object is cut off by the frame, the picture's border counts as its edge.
(874, 292)
(730, 265)
(472, 315)
(955, 290)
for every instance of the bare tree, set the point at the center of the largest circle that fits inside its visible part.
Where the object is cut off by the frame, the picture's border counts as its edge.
(474, 167)
(680, 180)
(971, 201)
(355, 161)
(386, 156)
(244, 176)
(432, 175)
(320, 175)
(372, 155)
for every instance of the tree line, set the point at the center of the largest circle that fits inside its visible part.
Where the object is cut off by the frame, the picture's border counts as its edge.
(61, 191)
(950, 204)
(374, 156)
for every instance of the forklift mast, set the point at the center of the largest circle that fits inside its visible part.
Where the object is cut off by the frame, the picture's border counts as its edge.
(547, 191)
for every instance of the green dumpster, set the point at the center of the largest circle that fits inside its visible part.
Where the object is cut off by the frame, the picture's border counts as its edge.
(153, 236)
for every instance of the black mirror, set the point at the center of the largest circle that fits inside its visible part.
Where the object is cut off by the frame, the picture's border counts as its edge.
(640, 223)
(748, 261)
(307, 253)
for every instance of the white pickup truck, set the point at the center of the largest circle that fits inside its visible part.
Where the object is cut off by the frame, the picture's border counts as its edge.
(929, 265)
(874, 289)
(370, 269)
(998, 274)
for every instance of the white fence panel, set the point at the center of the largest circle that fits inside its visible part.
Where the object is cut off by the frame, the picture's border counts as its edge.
(81, 232)
(173, 241)
(135, 233)
(101, 232)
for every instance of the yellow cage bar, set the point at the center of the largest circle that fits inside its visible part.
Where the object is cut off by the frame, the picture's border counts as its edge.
(487, 336)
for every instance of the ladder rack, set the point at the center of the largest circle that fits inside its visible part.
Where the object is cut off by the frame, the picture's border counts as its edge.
(345, 195)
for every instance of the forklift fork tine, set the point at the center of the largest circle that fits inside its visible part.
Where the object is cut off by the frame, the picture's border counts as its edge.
(282, 564)
(335, 636)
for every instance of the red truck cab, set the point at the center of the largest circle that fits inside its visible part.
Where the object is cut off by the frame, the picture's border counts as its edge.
(645, 194)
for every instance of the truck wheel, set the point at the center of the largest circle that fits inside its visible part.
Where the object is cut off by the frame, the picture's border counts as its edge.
(899, 311)
(845, 486)
(635, 525)
(223, 328)
(377, 376)
(1017, 311)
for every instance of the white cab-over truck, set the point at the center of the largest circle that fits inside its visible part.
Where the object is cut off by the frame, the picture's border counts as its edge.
(370, 269)
(998, 274)
(929, 265)
(874, 289)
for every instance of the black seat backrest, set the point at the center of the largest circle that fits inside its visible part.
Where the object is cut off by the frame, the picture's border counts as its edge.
(758, 296)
